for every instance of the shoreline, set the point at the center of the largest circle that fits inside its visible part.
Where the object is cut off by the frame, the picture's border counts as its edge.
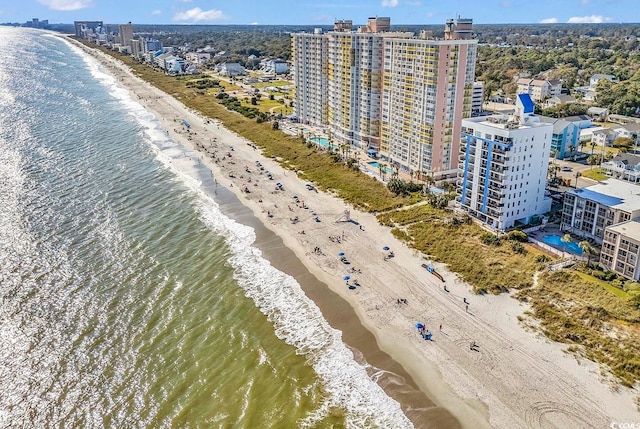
(517, 378)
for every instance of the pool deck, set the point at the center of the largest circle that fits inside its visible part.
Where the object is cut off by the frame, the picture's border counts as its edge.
(535, 237)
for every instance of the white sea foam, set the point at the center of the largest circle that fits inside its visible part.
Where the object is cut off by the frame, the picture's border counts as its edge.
(296, 319)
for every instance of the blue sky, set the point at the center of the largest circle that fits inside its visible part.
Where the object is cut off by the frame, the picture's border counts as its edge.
(323, 12)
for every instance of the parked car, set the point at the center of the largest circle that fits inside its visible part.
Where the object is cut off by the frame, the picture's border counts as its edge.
(566, 168)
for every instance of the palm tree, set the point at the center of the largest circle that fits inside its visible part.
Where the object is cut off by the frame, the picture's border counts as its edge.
(578, 174)
(566, 239)
(572, 149)
(593, 146)
(382, 168)
(582, 144)
(411, 174)
(554, 153)
(588, 249)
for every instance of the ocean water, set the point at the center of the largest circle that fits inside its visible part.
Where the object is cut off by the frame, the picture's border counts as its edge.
(128, 299)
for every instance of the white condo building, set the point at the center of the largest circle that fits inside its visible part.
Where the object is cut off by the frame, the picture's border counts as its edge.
(388, 91)
(503, 167)
(309, 69)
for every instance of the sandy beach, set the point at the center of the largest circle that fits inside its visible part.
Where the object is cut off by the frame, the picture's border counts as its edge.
(512, 378)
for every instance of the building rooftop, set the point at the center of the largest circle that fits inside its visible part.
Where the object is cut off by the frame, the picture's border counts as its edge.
(614, 193)
(630, 228)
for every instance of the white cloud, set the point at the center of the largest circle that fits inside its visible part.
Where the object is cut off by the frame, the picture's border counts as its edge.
(584, 2)
(593, 19)
(66, 5)
(389, 3)
(198, 15)
(549, 21)
(156, 12)
(254, 23)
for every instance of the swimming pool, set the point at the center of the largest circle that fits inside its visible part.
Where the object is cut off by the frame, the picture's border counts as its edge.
(556, 241)
(322, 141)
(376, 166)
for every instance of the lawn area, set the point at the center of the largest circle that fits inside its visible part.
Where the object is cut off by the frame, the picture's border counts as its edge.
(275, 83)
(605, 285)
(265, 105)
(228, 86)
(594, 173)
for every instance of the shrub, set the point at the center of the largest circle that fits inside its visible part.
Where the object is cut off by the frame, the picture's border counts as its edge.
(519, 236)
(518, 248)
(542, 258)
(489, 239)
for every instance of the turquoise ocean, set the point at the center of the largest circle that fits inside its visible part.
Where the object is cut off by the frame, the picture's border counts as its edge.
(128, 297)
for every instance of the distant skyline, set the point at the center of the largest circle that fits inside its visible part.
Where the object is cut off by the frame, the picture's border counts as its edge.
(320, 12)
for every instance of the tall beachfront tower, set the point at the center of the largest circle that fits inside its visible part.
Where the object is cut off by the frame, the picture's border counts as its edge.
(125, 32)
(354, 82)
(309, 58)
(503, 166)
(338, 78)
(427, 91)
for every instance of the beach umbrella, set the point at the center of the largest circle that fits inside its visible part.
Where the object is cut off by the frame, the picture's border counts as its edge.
(419, 325)
(341, 254)
(295, 197)
(346, 278)
(385, 248)
(313, 214)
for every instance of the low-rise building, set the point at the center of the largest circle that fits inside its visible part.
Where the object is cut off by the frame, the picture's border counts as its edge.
(539, 89)
(198, 57)
(557, 100)
(604, 137)
(621, 249)
(623, 166)
(598, 113)
(588, 211)
(565, 139)
(593, 81)
(503, 167)
(274, 66)
(230, 69)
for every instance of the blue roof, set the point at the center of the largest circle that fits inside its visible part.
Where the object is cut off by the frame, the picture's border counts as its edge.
(527, 103)
(607, 200)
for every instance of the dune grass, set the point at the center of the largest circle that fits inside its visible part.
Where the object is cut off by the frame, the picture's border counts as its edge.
(580, 312)
(488, 268)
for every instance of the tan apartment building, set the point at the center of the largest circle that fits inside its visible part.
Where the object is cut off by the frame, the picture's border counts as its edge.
(309, 70)
(588, 211)
(621, 249)
(539, 89)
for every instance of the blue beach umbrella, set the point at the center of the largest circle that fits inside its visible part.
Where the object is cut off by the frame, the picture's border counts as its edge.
(346, 278)
(385, 248)
(341, 254)
(419, 325)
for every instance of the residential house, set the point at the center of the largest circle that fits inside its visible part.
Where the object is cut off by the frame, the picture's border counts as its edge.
(604, 137)
(274, 66)
(623, 166)
(630, 130)
(593, 81)
(557, 100)
(588, 211)
(598, 113)
(230, 69)
(197, 57)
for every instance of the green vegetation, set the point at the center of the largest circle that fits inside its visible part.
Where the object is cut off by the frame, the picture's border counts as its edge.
(488, 263)
(575, 309)
(594, 174)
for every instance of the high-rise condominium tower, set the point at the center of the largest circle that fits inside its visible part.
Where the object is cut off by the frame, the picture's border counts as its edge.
(389, 91)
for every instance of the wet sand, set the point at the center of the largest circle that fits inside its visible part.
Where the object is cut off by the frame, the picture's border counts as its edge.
(391, 376)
